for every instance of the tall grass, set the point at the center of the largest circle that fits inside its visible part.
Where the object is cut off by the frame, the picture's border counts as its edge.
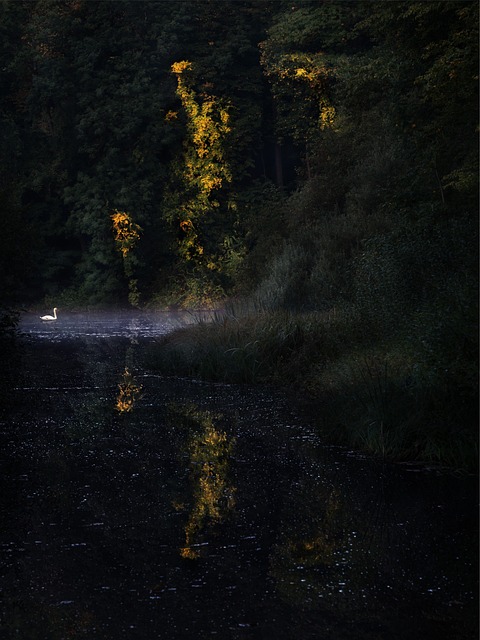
(248, 348)
(365, 395)
(376, 400)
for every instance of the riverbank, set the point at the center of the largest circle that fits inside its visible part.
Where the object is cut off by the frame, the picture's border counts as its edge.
(388, 398)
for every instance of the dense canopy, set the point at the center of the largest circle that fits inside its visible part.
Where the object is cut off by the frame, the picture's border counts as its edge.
(312, 156)
(233, 135)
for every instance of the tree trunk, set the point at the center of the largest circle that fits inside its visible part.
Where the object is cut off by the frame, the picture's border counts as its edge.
(278, 165)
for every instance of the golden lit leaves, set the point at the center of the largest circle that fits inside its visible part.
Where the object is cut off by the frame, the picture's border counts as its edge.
(303, 79)
(126, 232)
(203, 169)
(301, 73)
(327, 114)
(311, 71)
(207, 127)
(128, 392)
(179, 67)
(310, 68)
(211, 125)
(186, 225)
(190, 246)
(189, 553)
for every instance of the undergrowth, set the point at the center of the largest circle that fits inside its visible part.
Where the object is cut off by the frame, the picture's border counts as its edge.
(375, 398)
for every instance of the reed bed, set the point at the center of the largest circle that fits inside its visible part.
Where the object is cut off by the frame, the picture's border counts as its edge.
(370, 397)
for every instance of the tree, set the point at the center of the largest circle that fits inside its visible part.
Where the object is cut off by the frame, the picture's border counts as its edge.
(19, 242)
(100, 86)
(203, 171)
(297, 59)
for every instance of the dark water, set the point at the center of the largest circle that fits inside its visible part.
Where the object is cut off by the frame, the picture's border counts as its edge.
(135, 506)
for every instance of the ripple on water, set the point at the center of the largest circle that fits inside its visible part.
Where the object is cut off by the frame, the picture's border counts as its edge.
(305, 540)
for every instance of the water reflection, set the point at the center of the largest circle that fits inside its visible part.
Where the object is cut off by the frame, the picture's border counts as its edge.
(209, 450)
(103, 511)
(98, 324)
(314, 562)
(128, 393)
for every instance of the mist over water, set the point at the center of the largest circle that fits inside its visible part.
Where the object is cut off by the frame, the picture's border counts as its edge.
(108, 324)
(136, 506)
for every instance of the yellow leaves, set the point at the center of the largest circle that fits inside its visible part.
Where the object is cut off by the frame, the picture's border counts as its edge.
(208, 119)
(189, 246)
(186, 225)
(213, 437)
(204, 166)
(309, 68)
(126, 232)
(210, 182)
(186, 95)
(209, 450)
(179, 67)
(207, 132)
(327, 115)
(224, 118)
(189, 553)
(127, 394)
(171, 115)
(303, 79)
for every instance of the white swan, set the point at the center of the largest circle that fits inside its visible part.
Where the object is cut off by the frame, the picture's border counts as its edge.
(54, 317)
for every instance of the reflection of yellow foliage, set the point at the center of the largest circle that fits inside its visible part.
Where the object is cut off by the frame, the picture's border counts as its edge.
(309, 564)
(189, 553)
(128, 392)
(319, 549)
(213, 495)
(322, 546)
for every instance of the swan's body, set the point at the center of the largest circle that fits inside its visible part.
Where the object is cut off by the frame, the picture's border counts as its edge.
(54, 317)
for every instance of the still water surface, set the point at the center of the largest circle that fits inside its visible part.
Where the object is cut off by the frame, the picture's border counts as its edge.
(140, 507)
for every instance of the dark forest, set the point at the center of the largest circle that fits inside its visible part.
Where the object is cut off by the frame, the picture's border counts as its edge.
(312, 165)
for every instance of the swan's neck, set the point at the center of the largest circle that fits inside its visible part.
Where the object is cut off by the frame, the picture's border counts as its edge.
(55, 314)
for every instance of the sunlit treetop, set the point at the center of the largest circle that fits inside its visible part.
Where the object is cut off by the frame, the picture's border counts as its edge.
(126, 232)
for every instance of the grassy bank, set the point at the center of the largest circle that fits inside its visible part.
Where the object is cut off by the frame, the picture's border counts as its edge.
(386, 398)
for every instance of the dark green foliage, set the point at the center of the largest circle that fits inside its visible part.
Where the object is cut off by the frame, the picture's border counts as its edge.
(88, 93)
(348, 165)
(17, 243)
